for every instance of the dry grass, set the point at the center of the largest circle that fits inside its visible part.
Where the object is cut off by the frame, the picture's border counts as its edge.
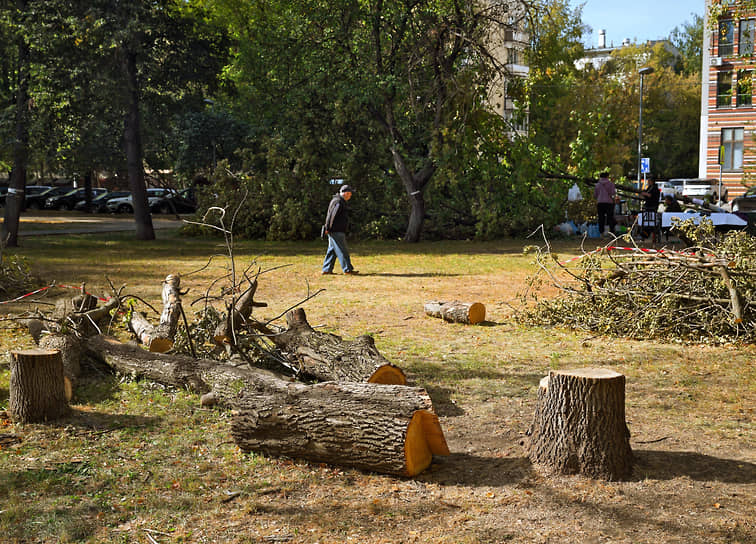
(137, 459)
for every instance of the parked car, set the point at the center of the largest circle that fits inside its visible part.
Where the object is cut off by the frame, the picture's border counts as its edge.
(125, 204)
(174, 202)
(745, 203)
(99, 203)
(35, 198)
(68, 200)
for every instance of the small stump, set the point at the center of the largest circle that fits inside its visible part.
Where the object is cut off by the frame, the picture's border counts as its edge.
(37, 389)
(579, 424)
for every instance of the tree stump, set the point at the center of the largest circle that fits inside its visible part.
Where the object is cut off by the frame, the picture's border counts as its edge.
(579, 424)
(470, 313)
(37, 390)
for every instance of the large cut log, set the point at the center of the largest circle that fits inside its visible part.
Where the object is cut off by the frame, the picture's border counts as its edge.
(239, 315)
(37, 388)
(70, 348)
(470, 313)
(327, 357)
(579, 424)
(384, 428)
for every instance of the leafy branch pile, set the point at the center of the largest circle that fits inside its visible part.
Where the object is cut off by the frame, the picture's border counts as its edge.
(702, 294)
(15, 275)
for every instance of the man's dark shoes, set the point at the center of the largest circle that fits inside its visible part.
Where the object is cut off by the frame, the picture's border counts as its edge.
(326, 273)
(352, 273)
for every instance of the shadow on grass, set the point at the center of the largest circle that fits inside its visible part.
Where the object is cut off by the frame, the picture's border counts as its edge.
(411, 275)
(667, 465)
(4, 396)
(442, 401)
(474, 470)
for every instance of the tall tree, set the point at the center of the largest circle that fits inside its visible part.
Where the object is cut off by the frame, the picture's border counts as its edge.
(406, 67)
(14, 200)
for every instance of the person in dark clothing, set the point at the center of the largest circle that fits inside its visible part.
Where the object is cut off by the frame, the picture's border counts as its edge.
(336, 224)
(671, 204)
(651, 195)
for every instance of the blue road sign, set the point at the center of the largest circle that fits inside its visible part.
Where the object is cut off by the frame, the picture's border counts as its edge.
(645, 165)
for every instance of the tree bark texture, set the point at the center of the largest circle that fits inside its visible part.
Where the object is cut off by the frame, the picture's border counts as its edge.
(470, 313)
(133, 147)
(328, 357)
(160, 338)
(239, 315)
(579, 424)
(14, 200)
(390, 429)
(37, 390)
(70, 349)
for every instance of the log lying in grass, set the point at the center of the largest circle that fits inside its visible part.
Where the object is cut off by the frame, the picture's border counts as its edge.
(470, 313)
(579, 424)
(328, 357)
(385, 428)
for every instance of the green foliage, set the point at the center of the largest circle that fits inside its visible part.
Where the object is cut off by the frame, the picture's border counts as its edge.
(15, 276)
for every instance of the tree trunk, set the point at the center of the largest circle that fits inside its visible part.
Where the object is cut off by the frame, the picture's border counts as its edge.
(14, 199)
(385, 428)
(70, 349)
(579, 424)
(470, 313)
(37, 389)
(414, 185)
(329, 358)
(133, 144)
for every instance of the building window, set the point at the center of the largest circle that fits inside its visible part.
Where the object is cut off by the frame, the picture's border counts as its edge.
(726, 38)
(724, 89)
(732, 148)
(745, 88)
(745, 39)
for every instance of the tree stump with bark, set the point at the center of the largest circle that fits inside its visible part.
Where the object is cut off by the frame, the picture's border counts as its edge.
(469, 313)
(37, 387)
(579, 424)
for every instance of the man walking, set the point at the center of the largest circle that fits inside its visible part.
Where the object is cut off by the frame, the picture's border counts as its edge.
(336, 224)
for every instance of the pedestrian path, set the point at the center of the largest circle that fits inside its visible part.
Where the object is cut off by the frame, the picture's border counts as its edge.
(48, 225)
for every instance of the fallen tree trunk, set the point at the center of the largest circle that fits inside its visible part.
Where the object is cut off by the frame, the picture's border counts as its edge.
(328, 357)
(470, 313)
(388, 429)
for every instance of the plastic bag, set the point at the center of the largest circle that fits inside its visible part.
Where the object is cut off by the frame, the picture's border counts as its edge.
(574, 194)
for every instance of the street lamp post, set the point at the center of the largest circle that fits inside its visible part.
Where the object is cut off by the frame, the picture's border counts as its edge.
(643, 72)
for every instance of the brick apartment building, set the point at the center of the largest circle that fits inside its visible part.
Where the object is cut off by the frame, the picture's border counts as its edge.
(728, 113)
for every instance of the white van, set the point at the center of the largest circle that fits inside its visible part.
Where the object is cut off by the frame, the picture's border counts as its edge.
(672, 187)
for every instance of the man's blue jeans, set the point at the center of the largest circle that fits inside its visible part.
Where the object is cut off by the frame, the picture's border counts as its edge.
(337, 247)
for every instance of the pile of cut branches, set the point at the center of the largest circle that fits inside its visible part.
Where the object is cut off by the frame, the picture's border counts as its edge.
(703, 294)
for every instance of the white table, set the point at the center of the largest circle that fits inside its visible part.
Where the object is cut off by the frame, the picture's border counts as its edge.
(718, 219)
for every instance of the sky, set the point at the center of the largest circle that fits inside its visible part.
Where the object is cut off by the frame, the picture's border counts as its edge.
(639, 20)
